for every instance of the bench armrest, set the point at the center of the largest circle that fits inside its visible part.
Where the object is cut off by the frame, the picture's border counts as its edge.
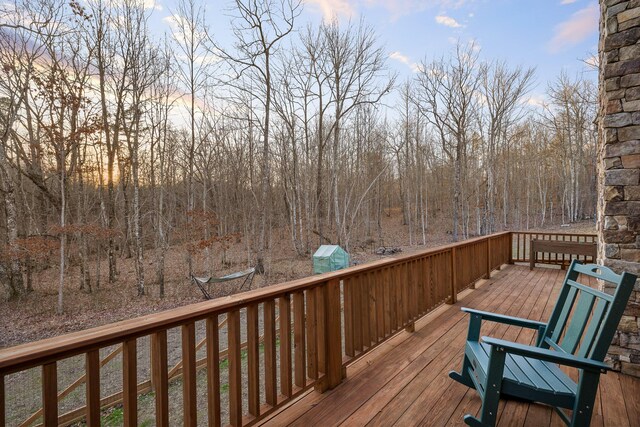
(509, 320)
(547, 355)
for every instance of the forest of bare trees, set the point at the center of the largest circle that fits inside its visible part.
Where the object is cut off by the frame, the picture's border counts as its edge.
(118, 140)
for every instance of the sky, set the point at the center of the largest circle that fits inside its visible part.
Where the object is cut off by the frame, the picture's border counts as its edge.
(550, 35)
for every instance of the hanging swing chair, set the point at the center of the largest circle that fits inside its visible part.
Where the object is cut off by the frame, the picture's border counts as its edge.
(204, 283)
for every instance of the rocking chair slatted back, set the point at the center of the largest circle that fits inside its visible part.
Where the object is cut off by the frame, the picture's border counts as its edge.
(582, 321)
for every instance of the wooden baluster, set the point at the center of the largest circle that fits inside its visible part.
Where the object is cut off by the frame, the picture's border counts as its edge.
(420, 284)
(401, 295)
(400, 282)
(386, 287)
(159, 379)
(441, 268)
(189, 397)
(213, 371)
(270, 379)
(372, 304)
(423, 284)
(415, 286)
(299, 347)
(312, 334)
(507, 248)
(488, 273)
(411, 296)
(235, 366)
(348, 317)
(392, 286)
(407, 296)
(253, 359)
(453, 289)
(379, 284)
(357, 313)
(92, 369)
(440, 278)
(50, 394)
(403, 318)
(2, 400)
(130, 383)
(511, 261)
(450, 269)
(333, 340)
(431, 288)
(418, 272)
(285, 345)
(321, 328)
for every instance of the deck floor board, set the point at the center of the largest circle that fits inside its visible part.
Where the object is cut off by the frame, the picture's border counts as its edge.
(405, 380)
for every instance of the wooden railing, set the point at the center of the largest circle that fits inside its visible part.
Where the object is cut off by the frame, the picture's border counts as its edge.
(522, 245)
(272, 345)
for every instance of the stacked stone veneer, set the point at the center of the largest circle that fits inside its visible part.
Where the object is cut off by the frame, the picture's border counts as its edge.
(619, 164)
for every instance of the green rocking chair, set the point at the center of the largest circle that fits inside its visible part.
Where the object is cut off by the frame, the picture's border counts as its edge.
(577, 335)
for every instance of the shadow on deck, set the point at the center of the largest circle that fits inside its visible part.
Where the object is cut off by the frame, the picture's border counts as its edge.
(404, 381)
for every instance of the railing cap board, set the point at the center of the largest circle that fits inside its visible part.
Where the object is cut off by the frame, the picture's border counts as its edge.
(542, 233)
(32, 354)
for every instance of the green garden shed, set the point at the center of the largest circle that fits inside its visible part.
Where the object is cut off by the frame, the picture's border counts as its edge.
(329, 258)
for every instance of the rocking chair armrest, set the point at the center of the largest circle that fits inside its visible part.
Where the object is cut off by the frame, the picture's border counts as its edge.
(547, 355)
(509, 320)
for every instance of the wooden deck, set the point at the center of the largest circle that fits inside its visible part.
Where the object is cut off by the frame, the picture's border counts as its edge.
(404, 381)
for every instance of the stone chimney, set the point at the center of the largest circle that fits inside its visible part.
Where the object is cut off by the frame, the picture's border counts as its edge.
(619, 164)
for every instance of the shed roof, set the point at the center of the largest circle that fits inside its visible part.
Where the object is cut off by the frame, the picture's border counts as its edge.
(326, 250)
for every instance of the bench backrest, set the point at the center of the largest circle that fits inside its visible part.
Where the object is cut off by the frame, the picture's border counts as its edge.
(584, 319)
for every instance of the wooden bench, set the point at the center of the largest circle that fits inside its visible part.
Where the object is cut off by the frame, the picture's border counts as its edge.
(559, 247)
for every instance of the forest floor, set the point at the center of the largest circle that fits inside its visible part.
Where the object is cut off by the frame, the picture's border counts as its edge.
(34, 317)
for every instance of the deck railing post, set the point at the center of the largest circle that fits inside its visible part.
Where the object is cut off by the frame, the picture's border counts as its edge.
(454, 295)
(332, 336)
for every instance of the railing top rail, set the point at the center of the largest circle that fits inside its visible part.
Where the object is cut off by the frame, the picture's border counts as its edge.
(545, 233)
(32, 354)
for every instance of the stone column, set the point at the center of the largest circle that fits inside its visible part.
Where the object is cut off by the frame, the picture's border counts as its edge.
(619, 164)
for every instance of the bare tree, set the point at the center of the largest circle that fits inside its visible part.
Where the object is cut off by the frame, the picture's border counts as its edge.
(503, 91)
(191, 36)
(143, 73)
(357, 76)
(447, 96)
(258, 28)
(24, 36)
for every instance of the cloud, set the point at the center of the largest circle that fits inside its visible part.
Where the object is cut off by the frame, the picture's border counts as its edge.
(180, 27)
(334, 8)
(537, 101)
(394, 8)
(397, 56)
(568, 1)
(152, 4)
(592, 61)
(447, 21)
(576, 29)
